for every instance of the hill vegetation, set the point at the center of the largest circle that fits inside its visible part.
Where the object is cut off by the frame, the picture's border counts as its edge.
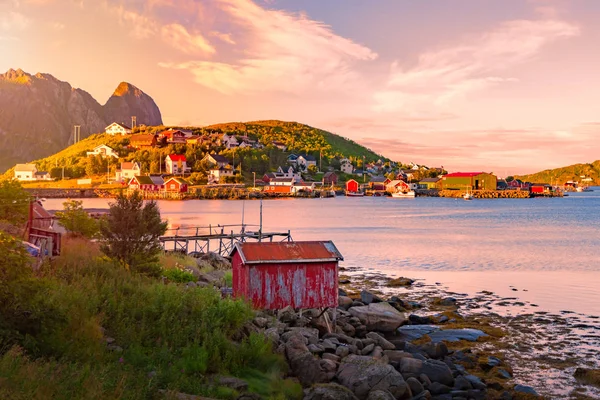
(326, 147)
(574, 173)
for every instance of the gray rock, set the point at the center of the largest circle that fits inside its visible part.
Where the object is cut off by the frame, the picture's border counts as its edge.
(413, 332)
(329, 391)
(214, 260)
(261, 322)
(287, 315)
(213, 277)
(379, 317)
(316, 348)
(396, 355)
(415, 386)
(328, 365)
(380, 395)
(435, 350)
(232, 383)
(504, 374)
(424, 379)
(462, 383)
(328, 345)
(425, 395)
(455, 335)
(357, 303)
(311, 334)
(436, 371)
(363, 374)
(525, 389)
(475, 382)
(332, 357)
(344, 302)
(448, 301)
(302, 363)
(342, 351)
(368, 349)
(368, 297)
(191, 284)
(381, 341)
(273, 335)
(438, 388)
(420, 320)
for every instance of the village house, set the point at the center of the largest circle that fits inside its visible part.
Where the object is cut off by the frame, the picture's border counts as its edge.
(25, 172)
(429, 183)
(397, 186)
(176, 164)
(42, 176)
(176, 185)
(281, 146)
(280, 185)
(346, 166)
(143, 141)
(330, 178)
(146, 183)
(292, 159)
(218, 175)
(287, 171)
(173, 136)
(303, 187)
(216, 160)
(305, 160)
(468, 180)
(127, 171)
(268, 177)
(103, 151)
(352, 186)
(195, 139)
(117, 129)
(229, 141)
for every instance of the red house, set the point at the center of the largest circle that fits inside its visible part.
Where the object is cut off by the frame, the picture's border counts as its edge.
(277, 275)
(330, 178)
(352, 186)
(146, 183)
(176, 185)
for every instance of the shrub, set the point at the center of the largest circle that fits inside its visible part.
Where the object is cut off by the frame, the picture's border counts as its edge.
(77, 221)
(14, 202)
(131, 233)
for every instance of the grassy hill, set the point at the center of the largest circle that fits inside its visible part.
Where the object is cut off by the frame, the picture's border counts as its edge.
(561, 175)
(297, 137)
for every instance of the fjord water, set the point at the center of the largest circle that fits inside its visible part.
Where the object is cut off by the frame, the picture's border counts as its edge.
(544, 251)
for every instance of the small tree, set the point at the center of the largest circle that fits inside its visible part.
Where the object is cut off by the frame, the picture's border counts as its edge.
(14, 202)
(131, 233)
(76, 220)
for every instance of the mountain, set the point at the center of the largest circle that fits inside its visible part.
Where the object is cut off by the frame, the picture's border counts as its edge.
(38, 112)
(575, 173)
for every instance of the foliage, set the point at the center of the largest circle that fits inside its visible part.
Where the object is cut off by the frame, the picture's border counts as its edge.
(53, 326)
(131, 233)
(564, 174)
(76, 220)
(14, 202)
(179, 274)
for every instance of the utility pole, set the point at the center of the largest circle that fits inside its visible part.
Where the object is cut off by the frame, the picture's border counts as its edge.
(320, 163)
(254, 180)
(76, 133)
(133, 122)
(364, 171)
(260, 224)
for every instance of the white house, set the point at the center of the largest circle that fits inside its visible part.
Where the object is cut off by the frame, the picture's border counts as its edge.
(117, 129)
(347, 167)
(25, 172)
(216, 160)
(288, 172)
(176, 164)
(304, 161)
(103, 151)
(229, 141)
(215, 174)
(128, 170)
(42, 176)
(303, 187)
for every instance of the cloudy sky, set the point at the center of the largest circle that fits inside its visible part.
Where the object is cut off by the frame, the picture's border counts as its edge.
(505, 86)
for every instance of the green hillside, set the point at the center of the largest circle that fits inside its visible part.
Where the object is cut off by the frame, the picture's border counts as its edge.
(297, 137)
(571, 173)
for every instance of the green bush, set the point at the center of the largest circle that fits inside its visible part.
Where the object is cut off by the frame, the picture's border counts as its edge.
(14, 202)
(76, 220)
(179, 275)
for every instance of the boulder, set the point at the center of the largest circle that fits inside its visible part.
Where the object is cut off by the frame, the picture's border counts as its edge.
(344, 302)
(380, 395)
(436, 371)
(379, 317)
(329, 391)
(363, 374)
(414, 332)
(455, 335)
(368, 297)
(381, 341)
(212, 277)
(287, 315)
(415, 386)
(396, 355)
(525, 390)
(402, 281)
(213, 260)
(302, 363)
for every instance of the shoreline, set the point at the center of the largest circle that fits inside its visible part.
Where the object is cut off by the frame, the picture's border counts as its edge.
(539, 348)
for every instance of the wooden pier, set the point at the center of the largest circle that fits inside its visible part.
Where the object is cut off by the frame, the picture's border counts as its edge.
(219, 239)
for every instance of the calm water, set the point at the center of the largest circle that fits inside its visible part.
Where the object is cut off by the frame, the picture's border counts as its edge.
(549, 249)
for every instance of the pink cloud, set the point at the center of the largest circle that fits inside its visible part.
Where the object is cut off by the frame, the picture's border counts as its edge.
(178, 36)
(444, 76)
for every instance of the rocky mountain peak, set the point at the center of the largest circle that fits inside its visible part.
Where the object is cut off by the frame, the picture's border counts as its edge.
(126, 88)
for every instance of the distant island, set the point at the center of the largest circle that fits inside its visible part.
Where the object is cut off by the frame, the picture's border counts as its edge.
(583, 174)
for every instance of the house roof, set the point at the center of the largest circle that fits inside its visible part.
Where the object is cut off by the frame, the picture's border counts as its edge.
(25, 167)
(292, 157)
(308, 157)
(41, 173)
(270, 175)
(282, 179)
(120, 124)
(287, 252)
(396, 182)
(219, 158)
(285, 167)
(463, 174)
(142, 180)
(142, 137)
(128, 165)
(328, 174)
(157, 179)
(177, 179)
(176, 157)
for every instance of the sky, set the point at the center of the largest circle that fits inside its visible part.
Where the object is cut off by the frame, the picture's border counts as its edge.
(508, 86)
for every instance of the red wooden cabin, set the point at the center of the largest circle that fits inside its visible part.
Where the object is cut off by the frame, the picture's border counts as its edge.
(277, 275)
(352, 186)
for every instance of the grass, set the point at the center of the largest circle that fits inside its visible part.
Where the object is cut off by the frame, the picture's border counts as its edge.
(52, 335)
